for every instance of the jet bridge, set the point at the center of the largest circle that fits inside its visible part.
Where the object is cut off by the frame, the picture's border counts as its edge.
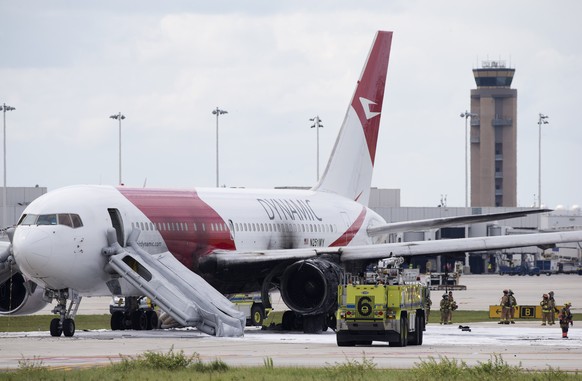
(179, 292)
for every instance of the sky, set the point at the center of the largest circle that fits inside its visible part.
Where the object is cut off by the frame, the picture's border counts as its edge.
(67, 66)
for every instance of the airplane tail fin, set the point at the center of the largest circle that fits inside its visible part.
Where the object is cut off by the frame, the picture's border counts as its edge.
(349, 169)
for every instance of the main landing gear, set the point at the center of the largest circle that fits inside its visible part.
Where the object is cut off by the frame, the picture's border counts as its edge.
(65, 324)
(133, 313)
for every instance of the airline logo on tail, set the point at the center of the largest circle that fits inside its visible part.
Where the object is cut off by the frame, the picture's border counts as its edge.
(366, 103)
(370, 90)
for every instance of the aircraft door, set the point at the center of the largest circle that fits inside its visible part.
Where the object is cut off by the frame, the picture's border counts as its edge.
(117, 224)
(231, 229)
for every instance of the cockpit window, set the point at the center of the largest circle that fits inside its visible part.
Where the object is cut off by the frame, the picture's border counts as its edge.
(71, 220)
(28, 219)
(47, 219)
(65, 219)
(77, 223)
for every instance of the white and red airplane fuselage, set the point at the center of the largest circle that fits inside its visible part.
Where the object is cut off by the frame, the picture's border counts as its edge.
(189, 223)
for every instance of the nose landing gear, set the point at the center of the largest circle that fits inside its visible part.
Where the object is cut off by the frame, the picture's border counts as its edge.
(65, 324)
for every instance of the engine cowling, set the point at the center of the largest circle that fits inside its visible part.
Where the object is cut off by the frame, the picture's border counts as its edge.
(16, 300)
(309, 287)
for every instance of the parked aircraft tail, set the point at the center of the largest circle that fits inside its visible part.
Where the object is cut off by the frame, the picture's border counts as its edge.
(349, 170)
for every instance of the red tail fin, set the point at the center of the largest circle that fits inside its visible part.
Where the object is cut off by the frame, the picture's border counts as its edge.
(349, 170)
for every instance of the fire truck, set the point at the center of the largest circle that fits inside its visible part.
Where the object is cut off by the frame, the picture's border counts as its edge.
(252, 306)
(386, 304)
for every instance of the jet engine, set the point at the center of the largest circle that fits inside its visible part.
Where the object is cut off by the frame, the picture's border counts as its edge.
(15, 298)
(309, 287)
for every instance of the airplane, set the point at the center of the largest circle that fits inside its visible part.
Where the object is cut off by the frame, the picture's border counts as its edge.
(186, 248)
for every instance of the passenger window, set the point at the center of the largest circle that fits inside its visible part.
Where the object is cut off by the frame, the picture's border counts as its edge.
(65, 219)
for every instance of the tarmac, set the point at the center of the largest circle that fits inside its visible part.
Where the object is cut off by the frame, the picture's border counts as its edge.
(526, 344)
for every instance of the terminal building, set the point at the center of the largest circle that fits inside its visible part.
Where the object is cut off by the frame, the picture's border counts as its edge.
(17, 198)
(386, 202)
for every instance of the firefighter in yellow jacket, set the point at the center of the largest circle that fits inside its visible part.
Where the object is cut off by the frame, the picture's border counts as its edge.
(546, 309)
(446, 309)
(553, 308)
(566, 319)
(512, 306)
(505, 304)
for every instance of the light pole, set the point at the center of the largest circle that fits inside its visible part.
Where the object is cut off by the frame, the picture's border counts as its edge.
(542, 119)
(466, 115)
(317, 125)
(217, 112)
(119, 117)
(4, 109)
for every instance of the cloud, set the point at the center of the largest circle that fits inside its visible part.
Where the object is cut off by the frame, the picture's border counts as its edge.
(67, 67)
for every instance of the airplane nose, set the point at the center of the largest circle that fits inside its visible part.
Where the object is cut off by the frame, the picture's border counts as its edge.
(32, 249)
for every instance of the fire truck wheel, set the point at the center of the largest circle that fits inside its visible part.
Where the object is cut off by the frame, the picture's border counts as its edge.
(343, 340)
(417, 335)
(403, 339)
(257, 315)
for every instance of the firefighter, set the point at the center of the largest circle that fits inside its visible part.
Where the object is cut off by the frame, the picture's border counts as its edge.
(546, 310)
(512, 306)
(566, 319)
(505, 304)
(428, 304)
(445, 309)
(453, 307)
(553, 308)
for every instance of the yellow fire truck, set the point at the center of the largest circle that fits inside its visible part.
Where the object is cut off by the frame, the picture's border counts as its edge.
(388, 304)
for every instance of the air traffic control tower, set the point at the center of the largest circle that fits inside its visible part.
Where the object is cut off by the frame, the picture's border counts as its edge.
(493, 137)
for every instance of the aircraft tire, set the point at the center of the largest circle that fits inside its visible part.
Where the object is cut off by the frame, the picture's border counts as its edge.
(117, 321)
(139, 321)
(288, 321)
(152, 320)
(69, 327)
(56, 330)
(313, 324)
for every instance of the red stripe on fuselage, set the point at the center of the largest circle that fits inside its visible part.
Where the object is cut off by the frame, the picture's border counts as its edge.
(178, 207)
(349, 234)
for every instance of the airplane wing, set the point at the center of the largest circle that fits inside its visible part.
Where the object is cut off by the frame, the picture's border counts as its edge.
(434, 223)
(225, 259)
